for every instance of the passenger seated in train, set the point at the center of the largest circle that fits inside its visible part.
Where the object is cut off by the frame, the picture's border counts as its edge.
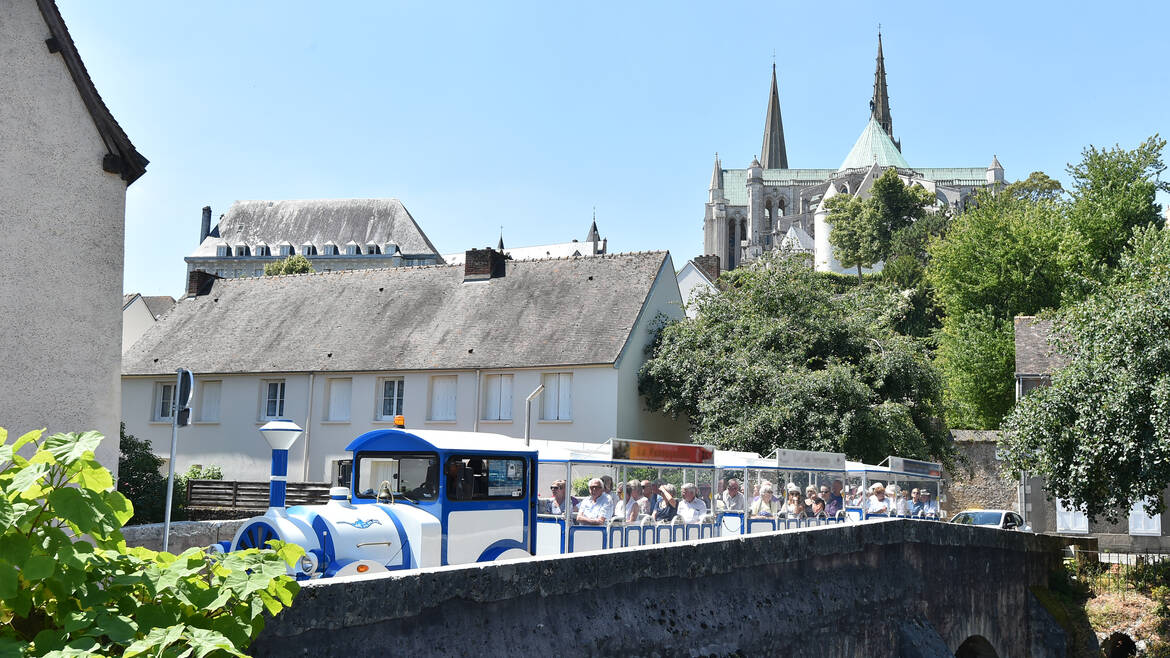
(690, 507)
(929, 507)
(901, 501)
(766, 507)
(633, 508)
(794, 506)
(429, 487)
(597, 507)
(817, 511)
(878, 503)
(555, 505)
(755, 492)
(810, 494)
(731, 499)
(646, 502)
(664, 512)
(914, 505)
(834, 502)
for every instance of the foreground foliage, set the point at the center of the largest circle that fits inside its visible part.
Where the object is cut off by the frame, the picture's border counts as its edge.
(786, 357)
(65, 597)
(294, 264)
(1100, 434)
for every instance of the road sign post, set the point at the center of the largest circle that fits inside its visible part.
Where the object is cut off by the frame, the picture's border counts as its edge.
(180, 417)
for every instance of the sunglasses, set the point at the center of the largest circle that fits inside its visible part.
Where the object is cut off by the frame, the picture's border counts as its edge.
(555, 488)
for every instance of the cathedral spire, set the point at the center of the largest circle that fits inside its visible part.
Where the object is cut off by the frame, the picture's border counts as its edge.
(593, 235)
(879, 107)
(772, 153)
(717, 175)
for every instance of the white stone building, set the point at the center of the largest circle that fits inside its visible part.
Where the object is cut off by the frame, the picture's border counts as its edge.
(593, 245)
(65, 164)
(334, 234)
(695, 278)
(448, 347)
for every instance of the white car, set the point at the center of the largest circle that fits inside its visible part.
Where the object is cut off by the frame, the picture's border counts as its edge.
(992, 518)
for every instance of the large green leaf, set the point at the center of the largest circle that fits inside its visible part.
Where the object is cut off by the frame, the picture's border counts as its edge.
(8, 581)
(93, 476)
(37, 567)
(27, 438)
(207, 641)
(69, 447)
(155, 641)
(119, 628)
(27, 477)
(7, 515)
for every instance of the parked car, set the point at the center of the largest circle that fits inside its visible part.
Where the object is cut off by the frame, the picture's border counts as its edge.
(992, 518)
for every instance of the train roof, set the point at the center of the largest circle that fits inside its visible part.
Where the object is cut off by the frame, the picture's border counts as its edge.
(446, 440)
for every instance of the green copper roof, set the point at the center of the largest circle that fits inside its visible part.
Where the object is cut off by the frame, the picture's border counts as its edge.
(874, 145)
(735, 181)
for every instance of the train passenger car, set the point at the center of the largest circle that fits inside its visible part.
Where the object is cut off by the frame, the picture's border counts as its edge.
(899, 478)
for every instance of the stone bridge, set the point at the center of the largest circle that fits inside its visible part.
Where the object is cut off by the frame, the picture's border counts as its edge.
(879, 588)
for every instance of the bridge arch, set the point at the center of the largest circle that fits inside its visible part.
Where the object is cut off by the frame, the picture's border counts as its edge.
(976, 646)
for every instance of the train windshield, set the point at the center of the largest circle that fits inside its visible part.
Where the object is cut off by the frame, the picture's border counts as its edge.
(411, 476)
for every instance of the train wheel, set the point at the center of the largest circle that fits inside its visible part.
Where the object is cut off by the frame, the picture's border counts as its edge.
(256, 535)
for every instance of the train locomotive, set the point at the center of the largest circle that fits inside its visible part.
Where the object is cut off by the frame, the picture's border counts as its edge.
(416, 499)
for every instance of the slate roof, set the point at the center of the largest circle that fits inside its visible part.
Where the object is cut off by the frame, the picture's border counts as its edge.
(123, 158)
(1034, 356)
(127, 298)
(159, 304)
(320, 221)
(541, 313)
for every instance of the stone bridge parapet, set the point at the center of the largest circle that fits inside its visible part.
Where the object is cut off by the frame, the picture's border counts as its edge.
(878, 588)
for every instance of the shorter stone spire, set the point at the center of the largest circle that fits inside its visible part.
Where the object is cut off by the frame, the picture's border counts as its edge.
(593, 235)
(717, 175)
(500, 245)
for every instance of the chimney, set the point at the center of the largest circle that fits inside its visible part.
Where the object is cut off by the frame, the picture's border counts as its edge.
(708, 265)
(199, 282)
(483, 264)
(205, 226)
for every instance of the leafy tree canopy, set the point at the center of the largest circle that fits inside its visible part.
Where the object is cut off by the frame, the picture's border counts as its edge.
(864, 231)
(1113, 195)
(1100, 434)
(786, 357)
(1038, 186)
(976, 352)
(294, 264)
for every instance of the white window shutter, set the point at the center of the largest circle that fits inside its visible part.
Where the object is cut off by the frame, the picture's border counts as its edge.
(443, 398)
(339, 398)
(491, 397)
(505, 397)
(565, 399)
(209, 402)
(549, 398)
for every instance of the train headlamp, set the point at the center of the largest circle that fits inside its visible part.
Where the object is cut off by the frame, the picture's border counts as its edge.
(308, 563)
(362, 568)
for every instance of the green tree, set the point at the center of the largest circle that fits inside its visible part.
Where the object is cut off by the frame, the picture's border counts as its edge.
(1113, 195)
(1038, 186)
(786, 357)
(294, 264)
(977, 352)
(1100, 434)
(63, 596)
(139, 479)
(863, 231)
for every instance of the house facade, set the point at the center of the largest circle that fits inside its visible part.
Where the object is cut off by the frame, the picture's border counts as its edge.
(1036, 362)
(139, 313)
(65, 165)
(447, 347)
(695, 278)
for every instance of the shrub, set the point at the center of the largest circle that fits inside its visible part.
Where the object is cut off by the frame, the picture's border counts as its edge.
(139, 479)
(68, 597)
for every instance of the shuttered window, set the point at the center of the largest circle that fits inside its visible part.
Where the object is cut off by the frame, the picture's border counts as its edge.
(442, 398)
(339, 399)
(557, 398)
(209, 393)
(497, 397)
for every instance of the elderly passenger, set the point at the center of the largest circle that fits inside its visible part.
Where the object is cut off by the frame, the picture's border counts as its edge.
(690, 508)
(557, 502)
(818, 509)
(732, 498)
(597, 508)
(794, 506)
(665, 511)
(878, 503)
(929, 507)
(810, 495)
(633, 508)
(648, 499)
(766, 506)
(833, 501)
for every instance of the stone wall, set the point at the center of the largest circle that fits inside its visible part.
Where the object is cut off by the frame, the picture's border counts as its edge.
(880, 588)
(184, 534)
(977, 480)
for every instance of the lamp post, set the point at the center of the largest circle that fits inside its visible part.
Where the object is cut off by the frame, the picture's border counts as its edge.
(528, 412)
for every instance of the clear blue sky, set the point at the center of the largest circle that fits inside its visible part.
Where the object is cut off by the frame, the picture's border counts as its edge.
(479, 115)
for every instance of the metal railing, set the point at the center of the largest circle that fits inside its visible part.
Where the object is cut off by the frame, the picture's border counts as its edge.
(1119, 571)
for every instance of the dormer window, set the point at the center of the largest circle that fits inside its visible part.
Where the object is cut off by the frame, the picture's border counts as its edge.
(242, 250)
(262, 249)
(353, 249)
(308, 249)
(372, 248)
(223, 251)
(285, 249)
(391, 249)
(329, 249)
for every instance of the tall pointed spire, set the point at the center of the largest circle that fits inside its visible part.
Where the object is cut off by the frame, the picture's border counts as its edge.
(500, 246)
(879, 107)
(773, 153)
(717, 175)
